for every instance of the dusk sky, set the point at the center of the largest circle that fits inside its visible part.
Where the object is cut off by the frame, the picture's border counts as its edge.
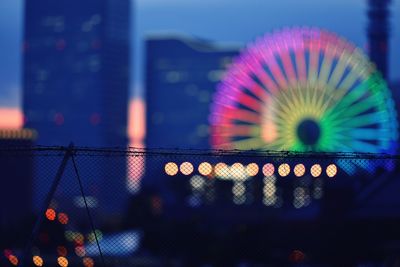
(225, 22)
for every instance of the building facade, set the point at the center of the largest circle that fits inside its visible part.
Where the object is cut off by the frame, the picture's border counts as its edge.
(76, 80)
(181, 77)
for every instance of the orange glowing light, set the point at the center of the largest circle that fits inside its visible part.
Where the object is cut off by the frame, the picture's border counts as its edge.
(136, 124)
(331, 170)
(37, 260)
(50, 214)
(11, 118)
(13, 260)
(88, 262)
(63, 218)
(268, 169)
(62, 261)
(171, 168)
(299, 170)
(205, 168)
(316, 170)
(252, 169)
(284, 169)
(186, 168)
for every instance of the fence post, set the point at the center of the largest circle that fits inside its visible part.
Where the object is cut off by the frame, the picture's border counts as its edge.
(49, 197)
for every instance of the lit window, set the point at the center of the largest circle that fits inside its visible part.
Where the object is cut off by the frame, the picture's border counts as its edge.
(205, 168)
(268, 169)
(316, 170)
(186, 168)
(331, 170)
(284, 169)
(171, 168)
(299, 170)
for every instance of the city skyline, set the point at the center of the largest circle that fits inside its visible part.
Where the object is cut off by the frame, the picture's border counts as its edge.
(158, 16)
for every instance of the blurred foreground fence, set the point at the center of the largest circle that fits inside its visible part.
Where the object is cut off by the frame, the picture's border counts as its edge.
(68, 206)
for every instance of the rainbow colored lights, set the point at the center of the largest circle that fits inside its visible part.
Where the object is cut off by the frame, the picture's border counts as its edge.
(303, 89)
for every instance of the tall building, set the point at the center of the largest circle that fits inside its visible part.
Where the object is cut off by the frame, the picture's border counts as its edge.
(76, 79)
(75, 71)
(378, 34)
(16, 164)
(181, 76)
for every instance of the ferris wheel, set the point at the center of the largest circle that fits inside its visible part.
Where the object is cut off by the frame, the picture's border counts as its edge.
(303, 89)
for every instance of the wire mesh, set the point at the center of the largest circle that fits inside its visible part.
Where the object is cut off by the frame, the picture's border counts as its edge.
(69, 206)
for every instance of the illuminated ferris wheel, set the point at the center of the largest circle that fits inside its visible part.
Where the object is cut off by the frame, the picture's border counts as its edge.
(303, 90)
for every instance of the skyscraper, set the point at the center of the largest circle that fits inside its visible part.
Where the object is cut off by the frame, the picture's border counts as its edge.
(378, 33)
(75, 71)
(75, 82)
(181, 76)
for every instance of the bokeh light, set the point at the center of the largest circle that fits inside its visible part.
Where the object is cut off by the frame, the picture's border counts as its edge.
(171, 168)
(284, 169)
(50, 214)
(252, 169)
(331, 170)
(63, 218)
(186, 168)
(299, 170)
(238, 171)
(205, 168)
(88, 262)
(37, 260)
(13, 260)
(80, 251)
(316, 170)
(268, 169)
(221, 170)
(62, 261)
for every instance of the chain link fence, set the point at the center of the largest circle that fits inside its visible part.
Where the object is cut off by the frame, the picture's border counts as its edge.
(68, 206)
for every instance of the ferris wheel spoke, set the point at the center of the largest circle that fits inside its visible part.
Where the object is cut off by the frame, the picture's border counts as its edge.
(313, 67)
(270, 63)
(364, 120)
(325, 70)
(242, 115)
(367, 134)
(301, 67)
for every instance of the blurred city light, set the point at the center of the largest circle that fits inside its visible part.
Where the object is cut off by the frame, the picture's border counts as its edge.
(37, 260)
(331, 170)
(299, 170)
(171, 168)
(51, 214)
(205, 168)
(268, 169)
(316, 170)
(284, 169)
(62, 261)
(186, 168)
(252, 169)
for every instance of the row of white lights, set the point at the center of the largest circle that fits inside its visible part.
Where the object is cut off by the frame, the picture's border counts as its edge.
(238, 170)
